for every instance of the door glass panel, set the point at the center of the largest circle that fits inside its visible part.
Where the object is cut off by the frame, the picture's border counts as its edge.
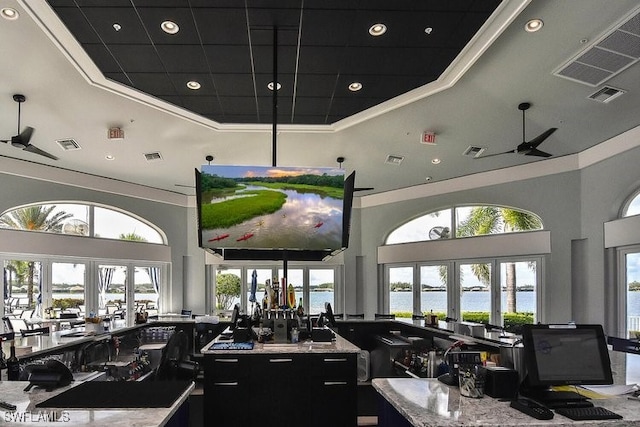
(228, 288)
(147, 288)
(475, 292)
(633, 295)
(68, 285)
(321, 287)
(23, 283)
(518, 289)
(433, 290)
(112, 286)
(401, 290)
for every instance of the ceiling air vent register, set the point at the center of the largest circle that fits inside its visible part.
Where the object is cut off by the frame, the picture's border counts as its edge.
(394, 160)
(606, 94)
(607, 56)
(68, 144)
(152, 157)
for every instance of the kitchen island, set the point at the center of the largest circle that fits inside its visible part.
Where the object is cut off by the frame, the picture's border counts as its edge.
(428, 402)
(274, 384)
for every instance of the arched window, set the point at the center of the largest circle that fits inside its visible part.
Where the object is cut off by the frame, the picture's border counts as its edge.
(481, 287)
(465, 221)
(82, 220)
(632, 207)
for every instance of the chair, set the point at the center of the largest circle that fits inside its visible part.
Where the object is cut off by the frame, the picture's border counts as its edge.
(37, 331)
(381, 316)
(355, 316)
(26, 314)
(185, 312)
(173, 364)
(338, 316)
(18, 324)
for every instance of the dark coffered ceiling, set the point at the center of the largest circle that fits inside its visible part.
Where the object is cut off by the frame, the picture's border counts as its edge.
(227, 46)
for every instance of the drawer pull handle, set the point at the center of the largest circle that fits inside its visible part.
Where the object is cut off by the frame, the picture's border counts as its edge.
(335, 360)
(233, 384)
(280, 360)
(226, 360)
(335, 383)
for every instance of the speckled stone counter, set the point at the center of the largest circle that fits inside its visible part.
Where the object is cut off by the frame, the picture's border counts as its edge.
(339, 345)
(26, 413)
(428, 402)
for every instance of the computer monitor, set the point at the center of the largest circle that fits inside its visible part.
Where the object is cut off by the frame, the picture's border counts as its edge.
(329, 314)
(557, 355)
(235, 315)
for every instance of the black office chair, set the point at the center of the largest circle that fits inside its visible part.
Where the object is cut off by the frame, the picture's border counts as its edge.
(173, 362)
(417, 317)
(355, 316)
(36, 331)
(381, 316)
(186, 312)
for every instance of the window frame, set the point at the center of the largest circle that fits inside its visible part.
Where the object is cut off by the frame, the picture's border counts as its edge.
(91, 218)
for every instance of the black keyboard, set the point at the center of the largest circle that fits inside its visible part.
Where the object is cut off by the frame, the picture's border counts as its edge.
(594, 413)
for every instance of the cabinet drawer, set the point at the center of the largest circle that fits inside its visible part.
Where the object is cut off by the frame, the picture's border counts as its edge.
(227, 368)
(334, 367)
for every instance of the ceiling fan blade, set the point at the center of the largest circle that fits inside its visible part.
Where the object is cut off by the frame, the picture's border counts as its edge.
(538, 140)
(537, 153)
(35, 150)
(6, 141)
(363, 188)
(26, 135)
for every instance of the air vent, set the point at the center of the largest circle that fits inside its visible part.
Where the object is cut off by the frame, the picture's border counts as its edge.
(152, 157)
(394, 160)
(617, 50)
(68, 144)
(474, 151)
(606, 94)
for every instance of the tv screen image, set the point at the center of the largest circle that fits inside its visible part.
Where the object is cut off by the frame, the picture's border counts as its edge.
(264, 207)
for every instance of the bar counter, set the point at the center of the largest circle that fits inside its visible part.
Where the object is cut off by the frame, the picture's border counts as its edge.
(27, 414)
(428, 402)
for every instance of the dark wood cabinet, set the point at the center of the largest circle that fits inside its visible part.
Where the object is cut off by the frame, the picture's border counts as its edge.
(275, 389)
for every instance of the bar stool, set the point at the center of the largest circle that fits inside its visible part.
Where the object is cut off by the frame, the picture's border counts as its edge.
(355, 316)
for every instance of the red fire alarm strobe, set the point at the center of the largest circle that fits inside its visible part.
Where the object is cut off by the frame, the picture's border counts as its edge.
(428, 138)
(116, 133)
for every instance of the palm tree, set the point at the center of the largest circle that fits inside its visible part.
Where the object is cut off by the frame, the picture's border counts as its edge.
(34, 218)
(490, 220)
(133, 237)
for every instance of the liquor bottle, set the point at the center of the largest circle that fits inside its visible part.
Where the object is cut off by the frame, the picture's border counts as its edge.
(300, 308)
(13, 365)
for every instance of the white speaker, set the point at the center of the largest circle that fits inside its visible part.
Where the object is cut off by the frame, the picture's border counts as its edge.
(363, 366)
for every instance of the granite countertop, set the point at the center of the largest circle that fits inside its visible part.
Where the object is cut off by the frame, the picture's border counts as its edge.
(339, 345)
(428, 402)
(27, 414)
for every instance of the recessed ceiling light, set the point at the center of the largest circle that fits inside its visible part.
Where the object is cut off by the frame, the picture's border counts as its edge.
(533, 25)
(9, 13)
(436, 161)
(355, 86)
(377, 30)
(270, 86)
(193, 85)
(169, 27)
(110, 157)
(428, 30)
(117, 26)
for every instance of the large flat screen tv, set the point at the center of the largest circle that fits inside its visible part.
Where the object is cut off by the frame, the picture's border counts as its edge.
(247, 210)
